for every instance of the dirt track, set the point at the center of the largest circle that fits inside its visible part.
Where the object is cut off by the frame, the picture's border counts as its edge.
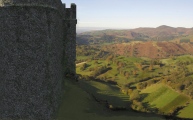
(80, 63)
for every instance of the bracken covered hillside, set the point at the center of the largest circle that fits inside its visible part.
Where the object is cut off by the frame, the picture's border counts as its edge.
(150, 49)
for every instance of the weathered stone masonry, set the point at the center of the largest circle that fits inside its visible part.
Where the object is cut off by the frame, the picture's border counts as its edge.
(37, 47)
(70, 42)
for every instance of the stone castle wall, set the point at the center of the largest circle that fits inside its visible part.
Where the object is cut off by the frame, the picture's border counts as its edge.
(70, 43)
(52, 3)
(37, 47)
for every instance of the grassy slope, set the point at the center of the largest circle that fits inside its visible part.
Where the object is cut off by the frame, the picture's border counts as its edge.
(159, 95)
(78, 105)
(187, 111)
(110, 93)
(111, 73)
(182, 58)
(164, 98)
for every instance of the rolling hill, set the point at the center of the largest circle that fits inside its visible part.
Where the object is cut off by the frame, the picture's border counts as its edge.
(150, 49)
(161, 33)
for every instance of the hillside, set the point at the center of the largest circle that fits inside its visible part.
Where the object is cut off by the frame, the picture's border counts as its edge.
(143, 70)
(150, 49)
(164, 98)
(79, 104)
(161, 86)
(161, 33)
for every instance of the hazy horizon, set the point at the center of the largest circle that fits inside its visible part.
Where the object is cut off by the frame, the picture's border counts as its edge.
(132, 28)
(133, 14)
(86, 29)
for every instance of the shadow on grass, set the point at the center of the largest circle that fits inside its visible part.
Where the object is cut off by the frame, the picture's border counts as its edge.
(155, 110)
(120, 107)
(146, 105)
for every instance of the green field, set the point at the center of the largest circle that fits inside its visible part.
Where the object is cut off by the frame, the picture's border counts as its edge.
(183, 58)
(164, 98)
(111, 93)
(79, 105)
(113, 72)
(162, 86)
(187, 111)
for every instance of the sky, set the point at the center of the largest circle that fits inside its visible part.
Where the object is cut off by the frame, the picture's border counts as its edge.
(133, 13)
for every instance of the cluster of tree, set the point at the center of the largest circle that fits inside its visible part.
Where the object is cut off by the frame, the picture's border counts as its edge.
(99, 70)
(163, 38)
(101, 54)
(180, 81)
(107, 38)
(86, 77)
(184, 40)
(181, 63)
(143, 85)
(100, 39)
(134, 95)
(86, 50)
(83, 39)
(83, 67)
(138, 106)
(90, 51)
(139, 66)
(121, 66)
(109, 58)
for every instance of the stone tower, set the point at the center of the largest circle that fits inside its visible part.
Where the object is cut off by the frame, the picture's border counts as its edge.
(37, 47)
(70, 43)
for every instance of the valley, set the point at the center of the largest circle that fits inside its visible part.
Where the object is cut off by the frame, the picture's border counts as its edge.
(164, 88)
(149, 76)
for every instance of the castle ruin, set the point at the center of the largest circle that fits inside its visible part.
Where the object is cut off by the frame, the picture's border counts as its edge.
(37, 47)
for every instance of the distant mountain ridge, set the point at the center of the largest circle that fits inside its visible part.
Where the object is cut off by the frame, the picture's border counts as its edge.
(89, 29)
(160, 33)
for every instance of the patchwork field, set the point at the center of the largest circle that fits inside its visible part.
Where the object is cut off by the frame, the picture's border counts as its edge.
(164, 98)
